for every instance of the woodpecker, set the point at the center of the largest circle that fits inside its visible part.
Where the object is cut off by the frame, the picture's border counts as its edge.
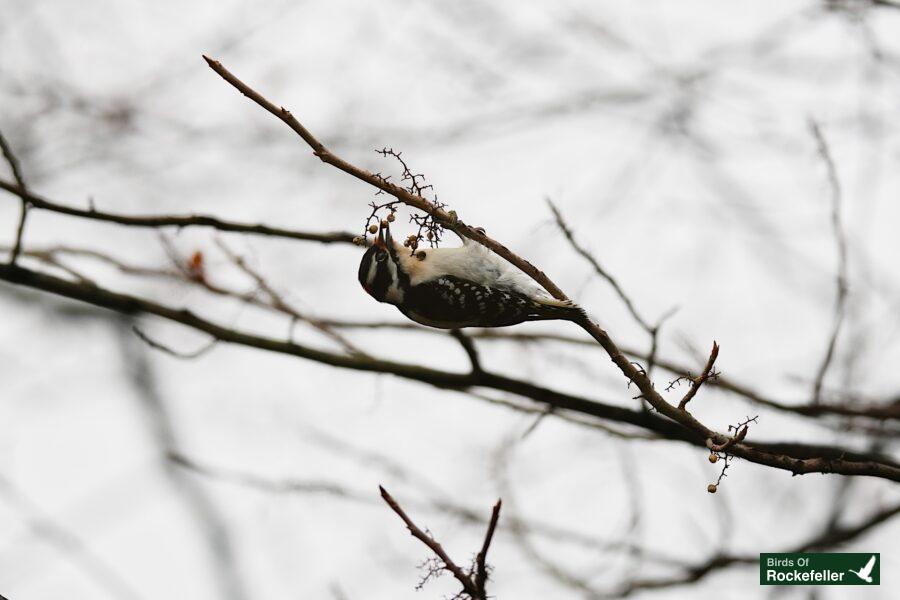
(452, 288)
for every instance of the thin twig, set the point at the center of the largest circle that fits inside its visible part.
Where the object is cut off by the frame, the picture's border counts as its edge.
(598, 268)
(279, 303)
(840, 303)
(171, 351)
(699, 381)
(830, 538)
(158, 221)
(436, 501)
(20, 181)
(481, 569)
(652, 330)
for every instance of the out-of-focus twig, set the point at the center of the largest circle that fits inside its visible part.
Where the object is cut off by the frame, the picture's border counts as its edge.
(831, 537)
(54, 255)
(16, 168)
(437, 501)
(68, 543)
(468, 347)
(279, 303)
(171, 351)
(796, 458)
(210, 521)
(840, 303)
(652, 330)
(888, 410)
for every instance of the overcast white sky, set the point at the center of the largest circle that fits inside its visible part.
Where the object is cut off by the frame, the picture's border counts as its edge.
(674, 137)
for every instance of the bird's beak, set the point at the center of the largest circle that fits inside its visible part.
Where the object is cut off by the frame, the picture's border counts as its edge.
(388, 240)
(379, 241)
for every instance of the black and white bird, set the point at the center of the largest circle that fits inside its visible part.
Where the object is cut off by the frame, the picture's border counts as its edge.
(451, 288)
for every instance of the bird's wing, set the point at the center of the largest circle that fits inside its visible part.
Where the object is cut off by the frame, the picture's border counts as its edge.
(868, 568)
(449, 302)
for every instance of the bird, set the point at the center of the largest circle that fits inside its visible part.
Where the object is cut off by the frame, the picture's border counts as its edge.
(866, 572)
(454, 288)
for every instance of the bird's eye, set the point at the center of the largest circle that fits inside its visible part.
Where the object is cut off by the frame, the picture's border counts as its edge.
(381, 256)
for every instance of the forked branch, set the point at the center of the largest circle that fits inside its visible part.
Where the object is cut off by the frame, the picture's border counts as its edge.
(474, 580)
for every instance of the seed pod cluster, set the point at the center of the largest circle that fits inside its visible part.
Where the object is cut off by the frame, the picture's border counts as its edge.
(412, 241)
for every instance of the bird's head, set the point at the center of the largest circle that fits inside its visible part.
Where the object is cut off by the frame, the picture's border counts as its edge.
(381, 272)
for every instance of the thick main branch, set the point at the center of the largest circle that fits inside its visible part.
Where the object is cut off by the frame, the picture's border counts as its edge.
(796, 458)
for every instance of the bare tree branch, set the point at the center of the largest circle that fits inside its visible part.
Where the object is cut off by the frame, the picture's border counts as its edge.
(796, 458)
(468, 347)
(827, 540)
(652, 330)
(473, 583)
(704, 376)
(635, 375)
(445, 218)
(889, 410)
(840, 303)
(171, 351)
(42, 203)
(437, 502)
(481, 568)
(598, 268)
(20, 181)
(280, 304)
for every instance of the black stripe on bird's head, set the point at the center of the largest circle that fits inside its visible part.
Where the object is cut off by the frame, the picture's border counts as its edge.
(380, 272)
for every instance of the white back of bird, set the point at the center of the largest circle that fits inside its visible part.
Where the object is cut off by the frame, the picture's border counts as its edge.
(471, 261)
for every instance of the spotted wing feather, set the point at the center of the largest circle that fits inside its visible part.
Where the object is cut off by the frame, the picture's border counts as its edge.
(450, 302)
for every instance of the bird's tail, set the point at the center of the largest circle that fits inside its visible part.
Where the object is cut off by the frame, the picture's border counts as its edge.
(551, 308)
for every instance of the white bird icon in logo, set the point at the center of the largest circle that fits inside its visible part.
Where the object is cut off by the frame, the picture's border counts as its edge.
(865, 572)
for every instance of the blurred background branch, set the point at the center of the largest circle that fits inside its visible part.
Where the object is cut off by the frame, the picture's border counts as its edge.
(684, 170)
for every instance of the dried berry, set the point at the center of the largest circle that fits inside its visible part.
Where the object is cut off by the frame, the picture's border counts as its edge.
(373, 228)
(358, 240)
(390, 217)
(711, 488)
(713, 458)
